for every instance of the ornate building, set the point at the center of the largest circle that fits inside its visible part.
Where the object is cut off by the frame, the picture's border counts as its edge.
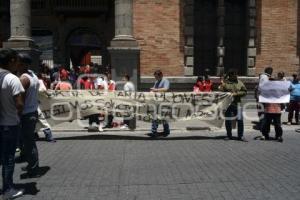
(184, 38)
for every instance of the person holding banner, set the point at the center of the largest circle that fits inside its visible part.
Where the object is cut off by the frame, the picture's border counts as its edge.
(273, 114)
(161, 85)
(264, 77)
(128, 87)
(234, 111)
(111, 87)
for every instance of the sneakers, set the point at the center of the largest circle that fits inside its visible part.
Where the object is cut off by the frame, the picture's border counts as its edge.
(152, 135)
(166, 134)
(108, 126)
(48, 135)
(279, 139)
(242, 139)
(289, 123)
(12, 194)
(100, 128)
(264, 138)
(123, 127)
(31, 172)
(228, 138)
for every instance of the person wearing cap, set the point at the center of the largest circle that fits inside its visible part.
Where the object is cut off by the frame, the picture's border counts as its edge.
(29, 117)
(161, 85)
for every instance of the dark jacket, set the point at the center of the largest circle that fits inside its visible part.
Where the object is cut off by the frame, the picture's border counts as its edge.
(235, 87)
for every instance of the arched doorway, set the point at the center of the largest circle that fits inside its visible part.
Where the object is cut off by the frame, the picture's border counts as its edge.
(84, 47)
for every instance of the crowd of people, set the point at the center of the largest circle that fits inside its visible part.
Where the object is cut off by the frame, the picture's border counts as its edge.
(21, 118)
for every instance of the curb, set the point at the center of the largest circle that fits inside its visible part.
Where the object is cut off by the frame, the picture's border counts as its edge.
(188, 128)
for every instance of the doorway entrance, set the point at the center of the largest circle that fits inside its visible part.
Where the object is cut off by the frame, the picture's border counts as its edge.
(235, 36)
(84, 48)
(205, 38)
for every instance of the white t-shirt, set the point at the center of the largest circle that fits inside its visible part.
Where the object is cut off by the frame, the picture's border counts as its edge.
(262, 79)
(11, 87)
(42, 87)
(129, 87)
(101, 84)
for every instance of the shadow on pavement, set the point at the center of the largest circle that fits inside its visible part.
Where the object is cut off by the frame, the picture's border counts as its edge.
(126, 137)
(41, 171)
(29, 188)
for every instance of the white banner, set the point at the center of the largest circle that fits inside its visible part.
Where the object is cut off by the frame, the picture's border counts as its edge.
(61, 106)
(274, 92)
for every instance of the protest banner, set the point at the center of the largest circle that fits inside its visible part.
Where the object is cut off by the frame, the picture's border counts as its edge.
(274, 92)
(61, 106)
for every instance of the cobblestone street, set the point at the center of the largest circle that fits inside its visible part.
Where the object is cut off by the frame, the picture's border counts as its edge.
(186, 165)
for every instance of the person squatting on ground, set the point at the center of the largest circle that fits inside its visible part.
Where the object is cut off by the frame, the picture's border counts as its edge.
(161, 85)
(273, 114)
(11, 106)
(234, 111)
(111, 88)
(29, 117)
(100, 84)
(86, 82)
(294, 100)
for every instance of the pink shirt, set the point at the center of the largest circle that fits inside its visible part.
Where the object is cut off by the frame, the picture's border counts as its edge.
(63, 86)
(273, 108)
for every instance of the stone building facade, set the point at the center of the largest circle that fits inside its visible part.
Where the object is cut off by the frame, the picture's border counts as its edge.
(184, 38)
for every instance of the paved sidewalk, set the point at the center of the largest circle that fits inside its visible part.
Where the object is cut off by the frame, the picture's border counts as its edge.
(250, 117)
(190, 165)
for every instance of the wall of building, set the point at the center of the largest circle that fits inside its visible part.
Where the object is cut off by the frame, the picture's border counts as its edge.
(277, 28)
(158, 30)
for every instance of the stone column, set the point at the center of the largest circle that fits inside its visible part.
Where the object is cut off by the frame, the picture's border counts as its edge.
(251, 53)
(221, 34)
(20, 30)
(20, 20)
(124, 49)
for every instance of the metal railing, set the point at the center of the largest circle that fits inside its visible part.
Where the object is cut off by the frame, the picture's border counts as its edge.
(78, 3)
(4, 4)
(68, 4)
(38, 4)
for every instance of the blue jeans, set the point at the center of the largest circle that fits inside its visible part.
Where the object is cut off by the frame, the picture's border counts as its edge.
(8, 142)
(155, 126)
(28, 122)
(232, 114)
